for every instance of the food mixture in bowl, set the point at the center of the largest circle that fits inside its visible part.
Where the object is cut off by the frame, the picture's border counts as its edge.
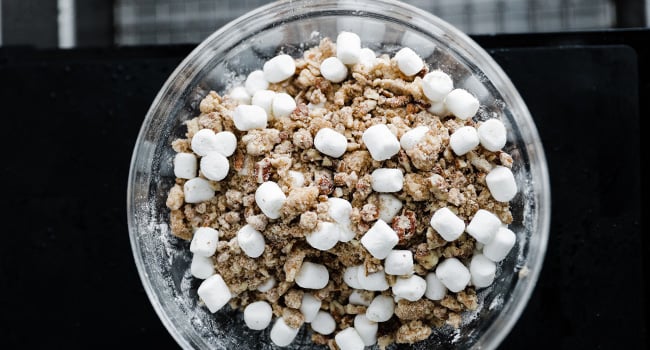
(349, 193)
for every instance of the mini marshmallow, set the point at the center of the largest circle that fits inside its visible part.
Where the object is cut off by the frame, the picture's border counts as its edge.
(257, 315)
(309, 307)
(312, 276)
(482, 270)
(387, 180)
(204, 242)
(255, 82)
(381, 309)
(281, 334)
(500, 245)
(251, 241)
(349, 339)
(359, 298)
(453, 274)
(501, 183)
(270, 198)
(436, 85)
(324, 237)
(463, 140)
(248, 117)
(339, 210)
(333, 70)
(215, 166)
(380, 142)
(367, 57)
(411, 288)
(492, 134)
(438, 108)
(348, 47)
(413, 137)
(367, 329)
(297, 179)
(283, 105)
(380, 239)
(447, 224)
(408, 61)
(185, 165)
(389, 206)
(330, 142)
(203, 142)
(351, 276)
(484, 226)
(202, 267)
(267, 285)
(323, 323)
(240, 95)
(279, 68)
(375, 282)
(461, 104)
(225, 143)
(214, 292)
(197, 190)
(399, 262)
(435, 289)
(346, 233)
(264, 99)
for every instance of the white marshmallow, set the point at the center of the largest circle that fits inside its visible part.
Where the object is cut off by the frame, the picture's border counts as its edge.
(197, 190)
(203, 142)
(408, 61)
(453, 274)
(461, 103)
(463, 140)
(482, 270)
(312, 276)
(436, 85)
(225, 143)
(185, 165)
(240, 95)
(411, 288)
(492, 134)
(348, 47)
(309, 306)
(500, 245)
(279, 68)
(215, 166)
(399, 262)
(484, 226)
(214, 292)
(375, 281)
(281, 334)
(346, 233)
(202, 267)
(267, 285)
(435, 289)
(351, 276)
(367, 57)
(251, 241)
(413, 137)
(380, 239)
(367, 329)
(283, 105)
(381, 308)
(501, 183)
(248, 117)
(387, 180)
(270, 198)
(349, 339)
(264, 99)
(333, 70)
(447, 224)
(257, 315)
(324, 237)
(339, 210)
(323, 323)
(438, 108)
(297, 178)
(389, 206)
(330, 142)
(359, 298)
(204, 242)
(380, 142)
(255, 82)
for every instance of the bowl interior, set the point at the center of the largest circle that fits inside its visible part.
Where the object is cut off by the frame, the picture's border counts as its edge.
(244, 45)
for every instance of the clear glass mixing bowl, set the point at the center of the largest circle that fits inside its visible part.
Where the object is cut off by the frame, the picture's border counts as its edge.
(292, 26)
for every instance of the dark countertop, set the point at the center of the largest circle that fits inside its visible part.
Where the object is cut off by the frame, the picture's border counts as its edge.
(67, 275)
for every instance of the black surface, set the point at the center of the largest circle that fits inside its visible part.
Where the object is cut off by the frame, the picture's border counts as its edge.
(67, 277)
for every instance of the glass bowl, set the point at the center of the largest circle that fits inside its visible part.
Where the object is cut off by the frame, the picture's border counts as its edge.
(244, 45)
